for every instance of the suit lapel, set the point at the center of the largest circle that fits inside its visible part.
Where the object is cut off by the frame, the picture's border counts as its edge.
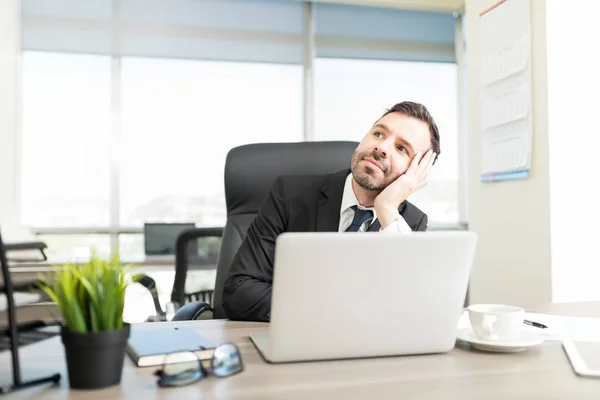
(328, 207)
(375, 226)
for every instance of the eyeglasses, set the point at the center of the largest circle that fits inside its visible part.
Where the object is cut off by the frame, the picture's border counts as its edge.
(184, 368)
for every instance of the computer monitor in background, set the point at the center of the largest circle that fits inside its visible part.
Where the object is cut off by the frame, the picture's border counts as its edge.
(160, 238)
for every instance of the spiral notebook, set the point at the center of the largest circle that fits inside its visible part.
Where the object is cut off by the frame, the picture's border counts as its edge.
(149, 347)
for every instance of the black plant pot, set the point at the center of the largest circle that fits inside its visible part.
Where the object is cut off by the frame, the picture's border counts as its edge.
(95, 360)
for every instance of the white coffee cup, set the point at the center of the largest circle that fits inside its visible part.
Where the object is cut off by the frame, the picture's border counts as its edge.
(496, 322)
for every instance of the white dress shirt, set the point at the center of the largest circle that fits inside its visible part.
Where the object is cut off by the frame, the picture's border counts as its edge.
(347, 213)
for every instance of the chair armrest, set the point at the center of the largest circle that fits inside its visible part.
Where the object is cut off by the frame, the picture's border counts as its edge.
(181, 260)
(193, 311)
(22, 286)
(150, 284)
(12, 247)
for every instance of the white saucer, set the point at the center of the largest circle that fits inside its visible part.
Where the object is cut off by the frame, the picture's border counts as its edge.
(527, 339)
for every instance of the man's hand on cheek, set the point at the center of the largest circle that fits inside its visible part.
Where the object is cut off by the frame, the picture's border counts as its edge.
(415, 177)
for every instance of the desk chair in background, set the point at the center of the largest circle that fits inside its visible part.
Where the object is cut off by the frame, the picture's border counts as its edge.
(187, 256)
(18, 295)
(250, 170)
(190, 248)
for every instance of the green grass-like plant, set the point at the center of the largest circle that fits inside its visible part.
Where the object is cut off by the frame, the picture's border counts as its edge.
(90, 295)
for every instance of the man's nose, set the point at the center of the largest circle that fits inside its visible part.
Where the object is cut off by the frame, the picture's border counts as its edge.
(384, 148)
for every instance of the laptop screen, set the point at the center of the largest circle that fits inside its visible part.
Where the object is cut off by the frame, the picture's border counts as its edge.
(160, 238)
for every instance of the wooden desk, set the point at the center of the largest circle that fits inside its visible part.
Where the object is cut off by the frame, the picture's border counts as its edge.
(543, 372)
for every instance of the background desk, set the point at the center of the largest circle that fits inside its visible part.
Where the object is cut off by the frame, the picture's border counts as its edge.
(138, 302)
(543, 372)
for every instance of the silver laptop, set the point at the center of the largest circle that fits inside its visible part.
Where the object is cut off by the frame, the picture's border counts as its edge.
(339, 296)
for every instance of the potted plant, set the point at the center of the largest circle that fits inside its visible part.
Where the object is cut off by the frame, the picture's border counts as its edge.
(91, 297)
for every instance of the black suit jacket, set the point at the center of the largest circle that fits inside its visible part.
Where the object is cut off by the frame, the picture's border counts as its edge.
(294, 204)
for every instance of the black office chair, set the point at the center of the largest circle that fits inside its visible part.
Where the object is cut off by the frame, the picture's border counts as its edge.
(250, 170)
(186, 256)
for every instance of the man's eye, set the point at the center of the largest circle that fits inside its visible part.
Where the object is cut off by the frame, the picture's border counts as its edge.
(378, 134)
(403, 149)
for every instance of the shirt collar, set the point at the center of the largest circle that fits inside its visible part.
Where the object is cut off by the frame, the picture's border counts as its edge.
(349, 198)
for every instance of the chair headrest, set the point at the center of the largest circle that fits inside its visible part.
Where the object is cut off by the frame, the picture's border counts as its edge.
(250, 170)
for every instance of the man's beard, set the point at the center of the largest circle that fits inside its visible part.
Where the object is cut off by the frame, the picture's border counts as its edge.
(367, 179)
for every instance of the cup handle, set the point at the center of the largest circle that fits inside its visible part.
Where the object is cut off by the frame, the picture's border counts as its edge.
(488, 326)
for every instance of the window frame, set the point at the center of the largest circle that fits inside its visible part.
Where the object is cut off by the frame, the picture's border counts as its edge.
(115, 229)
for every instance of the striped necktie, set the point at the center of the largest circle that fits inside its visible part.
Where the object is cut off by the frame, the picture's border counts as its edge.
(360, 217)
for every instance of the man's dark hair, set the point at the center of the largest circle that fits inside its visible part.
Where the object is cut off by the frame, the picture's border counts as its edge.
(420, 112)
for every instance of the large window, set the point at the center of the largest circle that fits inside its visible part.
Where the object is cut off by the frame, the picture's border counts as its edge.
(350, 95)
(175, 122)
(129, 107)
(179, 120)
(65, 141)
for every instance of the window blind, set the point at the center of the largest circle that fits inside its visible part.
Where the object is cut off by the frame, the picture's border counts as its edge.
(233, 30)
(348, 31)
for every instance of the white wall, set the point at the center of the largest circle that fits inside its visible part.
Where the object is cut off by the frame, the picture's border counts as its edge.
(538, 236)
(512, 264)
(9, 51)
(573, 110)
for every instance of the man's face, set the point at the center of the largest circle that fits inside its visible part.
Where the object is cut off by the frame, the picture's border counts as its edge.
(387, 149)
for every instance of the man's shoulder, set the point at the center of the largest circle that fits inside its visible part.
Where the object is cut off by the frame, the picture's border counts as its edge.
(410, 208)
(411, 214)
(303, 183)
(305, 179)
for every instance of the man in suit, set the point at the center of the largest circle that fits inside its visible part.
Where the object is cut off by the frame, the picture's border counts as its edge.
(391, 162)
